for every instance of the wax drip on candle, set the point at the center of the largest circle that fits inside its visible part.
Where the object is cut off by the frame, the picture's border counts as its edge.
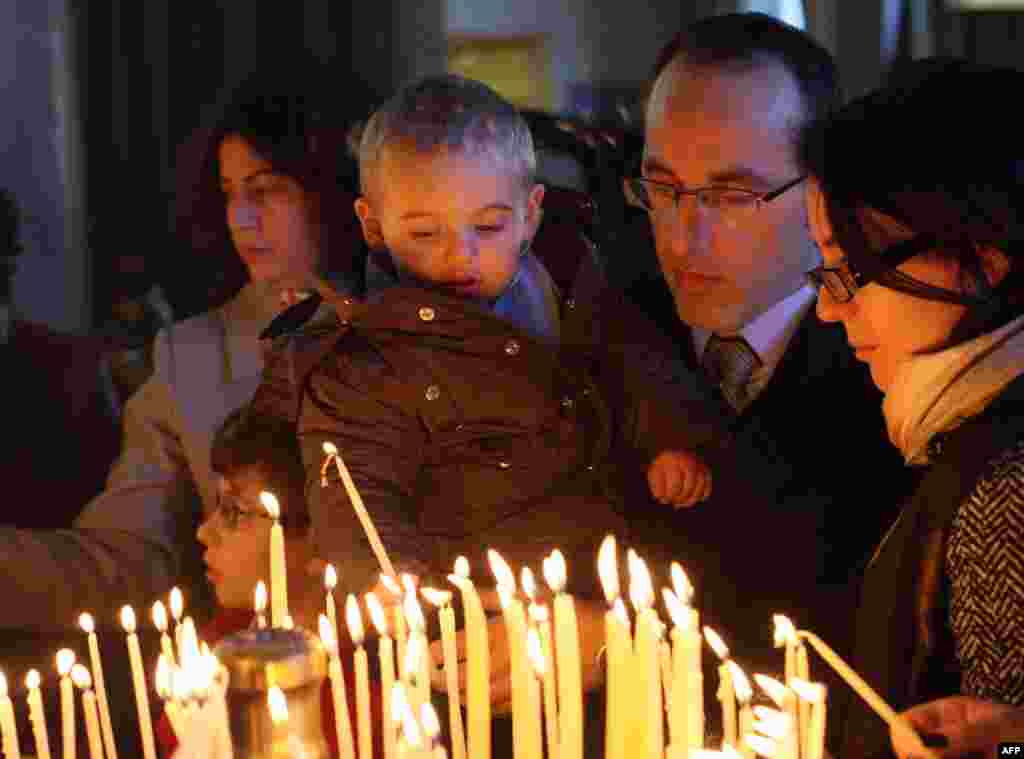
(330, 454)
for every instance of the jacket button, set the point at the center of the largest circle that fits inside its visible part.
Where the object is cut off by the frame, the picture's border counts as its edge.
(570, 304)
(512, 347)
(427, 314)
(503, 465)
(568, 403)
(433, 393)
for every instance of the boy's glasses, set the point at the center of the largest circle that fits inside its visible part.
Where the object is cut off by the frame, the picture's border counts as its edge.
(231, 512)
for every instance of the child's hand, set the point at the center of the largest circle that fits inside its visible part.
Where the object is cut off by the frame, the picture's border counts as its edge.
(679, 478)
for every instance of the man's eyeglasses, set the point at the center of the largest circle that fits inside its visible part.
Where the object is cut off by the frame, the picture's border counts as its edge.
(735, 203)
(232, 513)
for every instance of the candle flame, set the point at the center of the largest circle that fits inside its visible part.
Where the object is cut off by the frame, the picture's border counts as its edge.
(32, 679)
(327, 635)
(502, 572)
(785, 632)
(330, 448)
(766, 747)
(288, 623)
(740, 682)
(535, 652)
(428, 718)
(812, 692)
(717, 644)
(177, 604)
(414, 613)
(776, 691)
(278, 705)
(330, 577)
(436, 597)
(85, 621)
(269, 501)
(772, 722)
(354, 619)
(391, 584)
(162, 678)
(641, 592)
(3, 685)
(81, 677)
(529, 584)
(160, 616)
(409, 583)
(539, 613)
(462, 567)
(65, 661)
(681, 583)
(128, 619)
(377, 615)
(555, 571)
(399, 703)
(619, 610)
(504, 595)
(608, 569)
(260, 597)
(677, 611)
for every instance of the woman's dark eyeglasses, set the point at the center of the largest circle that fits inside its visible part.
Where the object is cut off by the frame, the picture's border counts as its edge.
(232, 513)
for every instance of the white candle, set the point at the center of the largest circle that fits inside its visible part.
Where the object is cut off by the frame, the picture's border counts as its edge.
(37, 715)
(278, 566)
(647, 646)
(85, 621)
(726, 694)
(418, 673)
(677, 716)
(139, 679)
(785, 699)
(330, 583)
(542, 621)
(160, 622)
(8, 725)
(355, 628)
(164, 680)
(260, 604)
(813, 739)
(567, 660)
(615, 645)
(80, 675)
(385, 650)
(744, 693)
(342, 721)
(691, 650)
(802, 674)
(778, 726)
(401, 631)
(442, 599)
(515, 627)
(478, 683)
(65, 661)
(534, 740)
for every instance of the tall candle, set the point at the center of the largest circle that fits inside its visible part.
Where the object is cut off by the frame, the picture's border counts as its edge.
(330, 583)
(80, 675)
(677, 717)
(442, 599)
(355, 628)
(85, 621)
(8, 725)
(534, 740)
(726, 694)
(65, 661)
(139, 679)
(36, 714)
(164, 680)
(401, 631)
(160, 622)
(647, 645)
(386, 652)
(691, 650)
(614, 632)
(542, 620)
(419, 671)
(744, 693)
(803, 674)
(515, 626)
(342, 721)
(278, 566)
(260, 604)
(478, 683)
(567, 660)
(813, 739)
(785, 699)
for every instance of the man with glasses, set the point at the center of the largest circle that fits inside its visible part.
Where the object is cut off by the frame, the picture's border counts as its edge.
(788, 518)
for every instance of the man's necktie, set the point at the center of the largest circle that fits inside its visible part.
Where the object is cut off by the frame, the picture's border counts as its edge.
(729, 363)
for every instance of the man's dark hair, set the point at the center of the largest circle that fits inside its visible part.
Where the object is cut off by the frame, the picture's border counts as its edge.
(10, 240)
(746, 40)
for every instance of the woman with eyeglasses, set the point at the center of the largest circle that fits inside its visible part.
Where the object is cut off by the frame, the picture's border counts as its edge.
(916, 200)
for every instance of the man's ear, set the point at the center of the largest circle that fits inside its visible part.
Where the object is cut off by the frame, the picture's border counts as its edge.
(534, 210)
(372, 232)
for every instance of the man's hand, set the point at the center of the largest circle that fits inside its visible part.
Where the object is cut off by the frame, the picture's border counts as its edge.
(967, 725)
(679, 478)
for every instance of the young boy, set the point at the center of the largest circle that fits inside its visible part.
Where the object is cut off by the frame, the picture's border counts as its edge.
(475, 405)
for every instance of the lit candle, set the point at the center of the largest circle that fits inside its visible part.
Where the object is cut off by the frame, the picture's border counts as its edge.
(442, 599)
(542, 621)
(386, 652)
(646, 648)
(412, 742)
(418, 671)
(160, 623)
(617, 651)
(785, 699)
(37, 715)
(80, 675)
(726, 693)
(515, 626)
(813, 694)
(278, 705)
(65, 661)
(796, 662)
(278, 567)
(401, 630)
(260, 604)
(777, 726)
(177, 601)
(8, 725)
(342, 721)
(691, 651)
(803, 673)
(744, 693)
(478, 683)
(677, 716)
(567, 660)
(355, 629)
(164, 680)
(432, 731)
(139, 679)
(330, 583)
(534, 741)
(85, 621)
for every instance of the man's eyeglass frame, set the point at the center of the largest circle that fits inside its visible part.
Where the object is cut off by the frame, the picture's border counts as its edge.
(636, 192)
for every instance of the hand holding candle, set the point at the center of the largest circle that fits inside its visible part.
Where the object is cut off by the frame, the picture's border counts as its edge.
(85, 621)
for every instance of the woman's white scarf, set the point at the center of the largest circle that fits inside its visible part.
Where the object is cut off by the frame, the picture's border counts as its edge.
(938, 392)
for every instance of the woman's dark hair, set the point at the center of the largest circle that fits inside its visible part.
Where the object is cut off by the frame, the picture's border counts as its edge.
(10, 240)
(934, 151)
(247, 440)
(747, 40)
(296, 116)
